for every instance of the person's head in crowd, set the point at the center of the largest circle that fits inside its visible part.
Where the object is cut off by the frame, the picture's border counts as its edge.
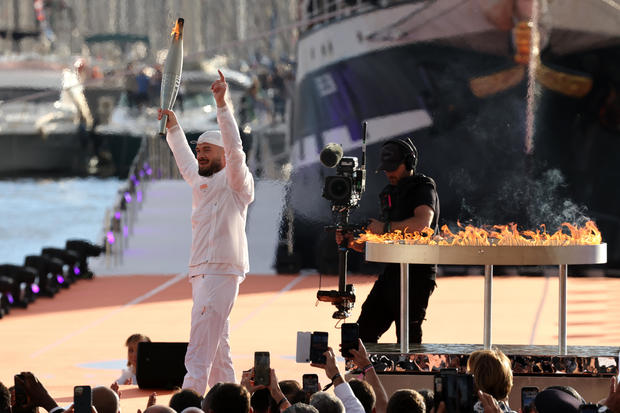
(406, 401)
(326, 403)
(429, 398)
(185, 398)
(261, 400)
(158, 408)
(105, 400)
(292, 391)
(132, 348)
(206, 401)
(5, 399)
(192, 409)
(301, 408)
(289, 387)
(364, 393)
(570, 390)
(492, 372)
(230, 398)
(556, 400)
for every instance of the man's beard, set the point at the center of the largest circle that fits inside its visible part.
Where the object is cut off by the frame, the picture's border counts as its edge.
(214, 167)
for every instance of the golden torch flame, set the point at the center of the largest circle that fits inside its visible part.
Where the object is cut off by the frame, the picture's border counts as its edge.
(177, 30)
(567, 234)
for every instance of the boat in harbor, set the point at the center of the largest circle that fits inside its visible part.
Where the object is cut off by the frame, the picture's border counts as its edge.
(43, 119)
(456, 75)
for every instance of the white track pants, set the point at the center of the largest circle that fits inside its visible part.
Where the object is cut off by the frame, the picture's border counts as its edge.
(208, 357)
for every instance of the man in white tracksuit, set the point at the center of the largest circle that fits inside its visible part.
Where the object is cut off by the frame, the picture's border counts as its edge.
(222, 189)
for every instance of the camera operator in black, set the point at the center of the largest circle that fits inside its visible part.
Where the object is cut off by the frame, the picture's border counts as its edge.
(409, 201)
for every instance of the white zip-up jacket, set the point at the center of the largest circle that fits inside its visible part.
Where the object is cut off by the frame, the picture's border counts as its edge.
(219, 202)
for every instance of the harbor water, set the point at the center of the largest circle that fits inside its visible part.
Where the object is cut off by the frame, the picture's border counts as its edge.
(38, 213)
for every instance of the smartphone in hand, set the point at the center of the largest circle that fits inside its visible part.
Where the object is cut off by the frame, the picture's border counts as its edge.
(318, 346)
(350, 334)
(22, 401)
(262, 369)
(528, 394)
(82, 399)
(310, 383)
(302, 354)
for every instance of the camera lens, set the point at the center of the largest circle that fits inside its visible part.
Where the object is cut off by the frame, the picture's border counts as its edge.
(337, 188)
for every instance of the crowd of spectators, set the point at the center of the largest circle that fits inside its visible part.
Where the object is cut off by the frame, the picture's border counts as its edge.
(359, 391)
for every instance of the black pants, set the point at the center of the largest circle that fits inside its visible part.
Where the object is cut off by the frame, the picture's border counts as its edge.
(382, 306)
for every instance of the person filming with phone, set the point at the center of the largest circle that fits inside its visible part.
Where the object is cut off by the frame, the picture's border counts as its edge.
(409, 202)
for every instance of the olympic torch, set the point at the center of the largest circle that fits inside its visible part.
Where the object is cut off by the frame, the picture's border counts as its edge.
(171, 78)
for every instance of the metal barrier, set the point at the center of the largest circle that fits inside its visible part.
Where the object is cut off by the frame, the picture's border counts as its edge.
(154, 161)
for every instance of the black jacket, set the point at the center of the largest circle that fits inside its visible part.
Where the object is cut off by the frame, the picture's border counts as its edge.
(398, 203)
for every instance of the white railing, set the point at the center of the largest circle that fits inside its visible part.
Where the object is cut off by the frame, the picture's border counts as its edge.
(153, 161)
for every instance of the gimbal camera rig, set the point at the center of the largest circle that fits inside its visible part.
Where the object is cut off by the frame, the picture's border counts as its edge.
(344, 190)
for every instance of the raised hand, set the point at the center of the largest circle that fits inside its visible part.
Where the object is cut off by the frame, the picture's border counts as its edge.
(115, 389)
(489, 403)
(360, 356)
(152, 400)
(247, 381)
(170, 122)
(219, 88)
(37, 392)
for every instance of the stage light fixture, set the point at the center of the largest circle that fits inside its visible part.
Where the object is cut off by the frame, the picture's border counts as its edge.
(24, 277)
(6, 299)
(85, 249)
(70, 260)
(48, 270)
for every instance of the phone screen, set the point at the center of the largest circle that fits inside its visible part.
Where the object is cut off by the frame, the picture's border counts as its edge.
(310, 383)
(350, 335)
(262, 372)
(318, 346)
(22, 401)
(528, 395)
(465, 392)
(82, 399)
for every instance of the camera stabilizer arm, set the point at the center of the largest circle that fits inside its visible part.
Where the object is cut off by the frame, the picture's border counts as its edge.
(344, 298)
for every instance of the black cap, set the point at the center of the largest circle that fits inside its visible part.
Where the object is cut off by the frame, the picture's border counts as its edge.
(554, 400)
(391, 157)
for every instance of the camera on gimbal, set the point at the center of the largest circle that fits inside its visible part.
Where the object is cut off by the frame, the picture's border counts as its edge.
(344, 190)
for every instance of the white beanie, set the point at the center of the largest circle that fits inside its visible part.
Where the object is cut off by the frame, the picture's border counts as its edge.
(213, 137)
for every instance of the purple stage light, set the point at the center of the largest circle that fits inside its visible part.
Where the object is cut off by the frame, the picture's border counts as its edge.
(76, 270)
(141, 174)
(110, 237)
(10, 297)
(60, 279)
(149, 171)
(117, 215)
(128, 197)
(139, 196)
(35, 288)
(133, 178)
